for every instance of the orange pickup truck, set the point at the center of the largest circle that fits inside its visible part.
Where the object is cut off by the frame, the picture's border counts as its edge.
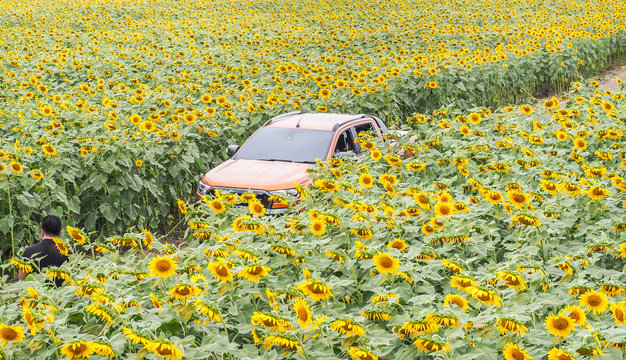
(278, 154)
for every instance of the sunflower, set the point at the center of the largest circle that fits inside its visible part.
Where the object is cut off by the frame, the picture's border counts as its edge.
(526, 109)
(315, 290)
(607, 106)
(487, 297)
(221, 271)
(575, 313)
(104, 313)
(571, 189)
(208, 310)
(474, 118)
(550, 187)
(75, 234)
(324, 93)
(514, 281)
(444, 209)
(61, 246)
(361, 354)
(303, 313)
(415, 166)
(164, 349)
(181, 206)
(506, 325)
(11, 333)
(270, 321)
(493, 197)
(385, 263)
(514, 352)
(366, 180)
(442, 320)
(597, 192)
(397, 243)
(559, 325)
(552, 103)
(283, 341)
(363, 233)
(103, 349)
(16, 167)
(49, 150)
(558, 354)
(518, 199)
(464, 130)
(182, 291)
(162, 266)
(422, 200)
(254, 273)
(417, 327)
(452, 266)
(580, 144)
(77, 349)
(456, 299)
(376, 154)
(256, 208)
(21, 265)
(147, 126)
(376, 315)
(595, 301)
(392, 160)
(318, 227)
(525, 219)
(347, 327)
(134, 337)
(431, 345)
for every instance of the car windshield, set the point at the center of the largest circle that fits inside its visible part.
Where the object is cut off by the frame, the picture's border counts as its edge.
(286, 144)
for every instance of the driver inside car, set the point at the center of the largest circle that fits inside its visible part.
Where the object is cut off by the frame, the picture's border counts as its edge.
(343, 145)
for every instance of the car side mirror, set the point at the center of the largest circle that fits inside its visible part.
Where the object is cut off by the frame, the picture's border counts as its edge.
(231, 150)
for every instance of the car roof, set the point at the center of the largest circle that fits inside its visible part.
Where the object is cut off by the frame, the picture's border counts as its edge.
(312, 121)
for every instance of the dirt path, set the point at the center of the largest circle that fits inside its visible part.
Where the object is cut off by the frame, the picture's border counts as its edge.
(607, 80)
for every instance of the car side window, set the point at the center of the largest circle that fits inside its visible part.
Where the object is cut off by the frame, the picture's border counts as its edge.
(366, 130)
(345, 143)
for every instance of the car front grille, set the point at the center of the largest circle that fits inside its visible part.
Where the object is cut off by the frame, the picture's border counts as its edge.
(261, 195)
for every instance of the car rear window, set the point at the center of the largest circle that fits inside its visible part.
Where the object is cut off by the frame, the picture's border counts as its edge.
(286, 144)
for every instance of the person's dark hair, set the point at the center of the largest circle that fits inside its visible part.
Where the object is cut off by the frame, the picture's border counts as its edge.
(51, 225)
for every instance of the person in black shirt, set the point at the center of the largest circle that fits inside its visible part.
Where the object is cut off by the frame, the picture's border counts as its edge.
(45, 253)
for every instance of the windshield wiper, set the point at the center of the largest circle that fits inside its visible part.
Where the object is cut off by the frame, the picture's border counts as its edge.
(282, 160)
(291, 161)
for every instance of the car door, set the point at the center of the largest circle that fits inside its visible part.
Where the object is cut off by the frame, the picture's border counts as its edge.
(344, 141)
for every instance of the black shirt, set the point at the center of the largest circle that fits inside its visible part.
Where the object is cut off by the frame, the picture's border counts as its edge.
(44, 254)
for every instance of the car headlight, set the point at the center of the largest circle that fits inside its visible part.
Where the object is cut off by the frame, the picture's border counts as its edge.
(286, 193)
(203, 188)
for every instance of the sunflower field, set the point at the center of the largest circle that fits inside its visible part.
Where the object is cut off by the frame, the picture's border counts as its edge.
(111, 109)
(497, 234)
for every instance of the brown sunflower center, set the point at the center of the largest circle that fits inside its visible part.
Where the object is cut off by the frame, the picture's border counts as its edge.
(183, 291)
(517, 355)
(386, 262)
(78, 349)
(163, 265)
(8, 334)
(221, 270)
(560, 323)
(302, 314)
(593, 300)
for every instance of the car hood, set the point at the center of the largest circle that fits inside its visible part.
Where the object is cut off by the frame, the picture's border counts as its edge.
(257, 174)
